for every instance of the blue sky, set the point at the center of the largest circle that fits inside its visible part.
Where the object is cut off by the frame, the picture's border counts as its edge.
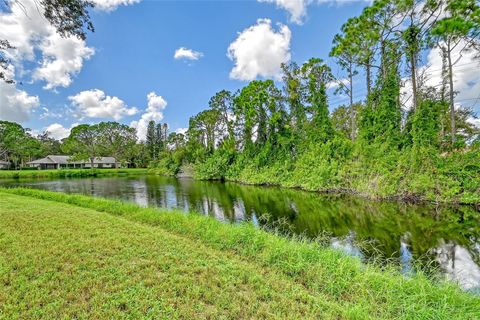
(131, 55)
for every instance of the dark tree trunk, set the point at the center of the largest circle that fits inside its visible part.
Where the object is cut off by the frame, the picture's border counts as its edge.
(352, 110)
(369, 79)
(452, 106)
(383, 59)
(413, 70)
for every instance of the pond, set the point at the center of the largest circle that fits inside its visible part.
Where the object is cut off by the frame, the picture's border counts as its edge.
(443, 238)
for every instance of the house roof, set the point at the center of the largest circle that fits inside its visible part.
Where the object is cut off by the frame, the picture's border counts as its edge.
(59, 159)
(39, 161)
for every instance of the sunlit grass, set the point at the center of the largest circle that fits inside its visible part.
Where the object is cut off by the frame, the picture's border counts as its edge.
(154, 263)
(68, 173)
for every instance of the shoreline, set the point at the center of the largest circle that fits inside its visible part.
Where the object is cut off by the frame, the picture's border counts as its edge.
(407, 198)
(69, 173)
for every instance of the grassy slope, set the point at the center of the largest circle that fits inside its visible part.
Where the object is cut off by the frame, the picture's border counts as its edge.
(61, 261)
(14, 174)
(177, 265)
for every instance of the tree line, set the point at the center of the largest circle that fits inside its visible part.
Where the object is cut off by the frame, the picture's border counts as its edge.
(19, 145)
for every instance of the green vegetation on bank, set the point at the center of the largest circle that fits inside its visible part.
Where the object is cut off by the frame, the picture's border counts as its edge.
(68, 173)
(145, 262)
(406, 138)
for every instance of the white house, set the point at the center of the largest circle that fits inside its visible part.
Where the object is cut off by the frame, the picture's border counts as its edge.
(60, 162)
(4, 164)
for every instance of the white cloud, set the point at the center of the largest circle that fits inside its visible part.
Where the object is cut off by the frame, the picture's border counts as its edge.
(110, 5)
(181, 130)
(57, 131)
(259, 50)
(336, 83)
(475, 122)
(189, 54)
(21, 30)
(156, 104)
(296, 8)
(27, 30)
(47, 113)
(62, 59)
(96, 104)
(15, 104)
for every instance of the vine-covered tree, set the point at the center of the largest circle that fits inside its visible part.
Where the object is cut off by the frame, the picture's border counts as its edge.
(316, 75)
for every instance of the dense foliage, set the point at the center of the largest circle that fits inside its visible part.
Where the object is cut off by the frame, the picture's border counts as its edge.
(282, 133)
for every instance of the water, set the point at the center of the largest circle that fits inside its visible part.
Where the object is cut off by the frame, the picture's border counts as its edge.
(446, 239)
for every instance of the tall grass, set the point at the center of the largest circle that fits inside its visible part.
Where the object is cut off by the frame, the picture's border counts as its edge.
(363, 291)
(68, 173)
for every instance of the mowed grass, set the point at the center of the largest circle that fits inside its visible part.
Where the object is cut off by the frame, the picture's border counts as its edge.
(80, 257)
(57, 261)
(68, 173)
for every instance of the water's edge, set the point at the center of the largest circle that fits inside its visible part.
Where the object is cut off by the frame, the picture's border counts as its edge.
(405, 198)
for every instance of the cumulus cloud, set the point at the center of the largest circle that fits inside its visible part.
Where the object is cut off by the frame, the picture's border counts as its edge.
(336, 83)
(27, 30)
(296, 8)
(58, 131)
(62, 59)
(259, 50)
(110, 5)
(189, 54)
(47, 113)
(475, 122)
(181, 130)
(15, 104)
(156, 104)
(96, 104)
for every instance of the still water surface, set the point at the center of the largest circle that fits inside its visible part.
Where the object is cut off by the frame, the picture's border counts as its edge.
(412, 236)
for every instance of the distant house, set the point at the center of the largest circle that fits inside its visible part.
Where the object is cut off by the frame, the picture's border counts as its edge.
(61, 162)
(4, 164)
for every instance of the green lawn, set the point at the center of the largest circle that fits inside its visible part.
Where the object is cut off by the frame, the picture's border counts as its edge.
(71, 256)
(63, 173)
